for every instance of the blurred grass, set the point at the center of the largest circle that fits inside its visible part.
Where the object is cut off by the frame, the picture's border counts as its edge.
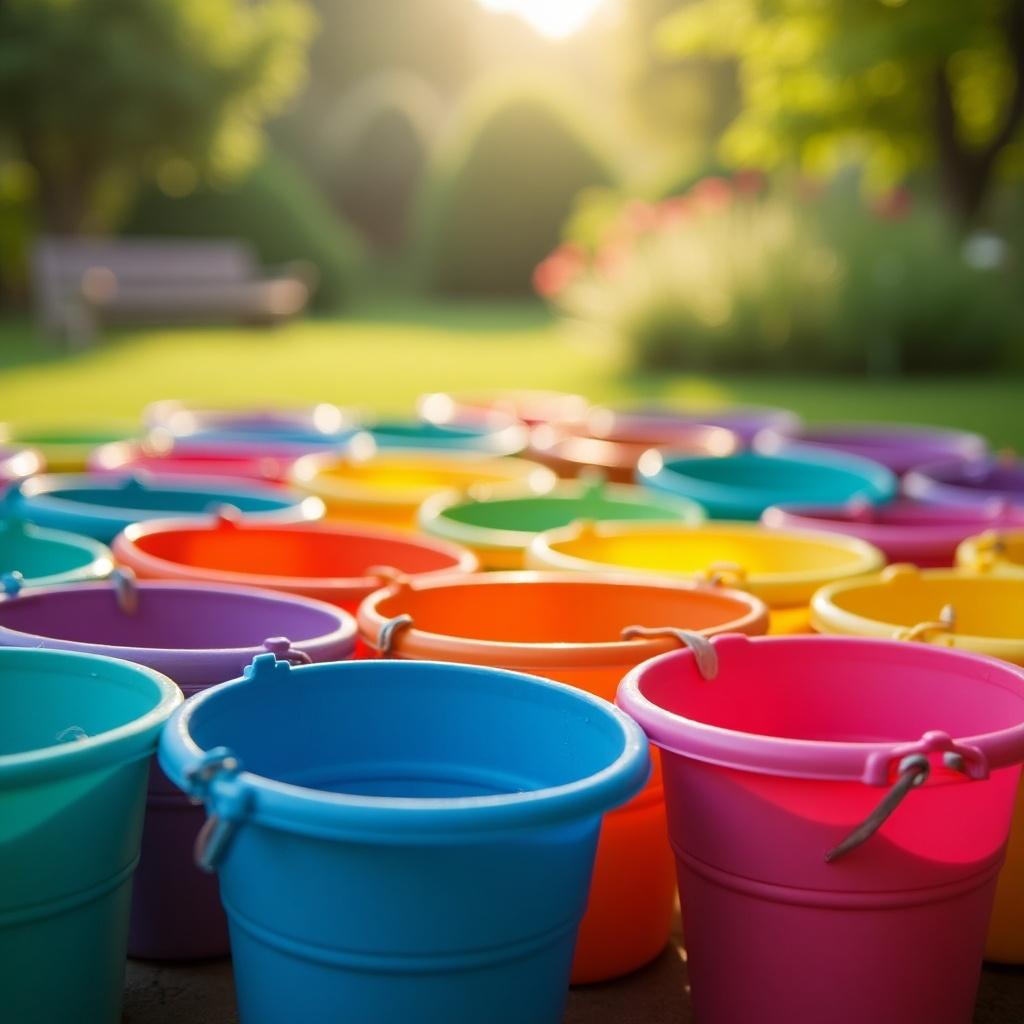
(390, 351)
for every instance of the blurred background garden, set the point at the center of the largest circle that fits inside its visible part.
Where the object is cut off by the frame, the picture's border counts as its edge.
(806, 203)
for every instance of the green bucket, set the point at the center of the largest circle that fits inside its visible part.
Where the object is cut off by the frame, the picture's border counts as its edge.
(77, 732)
(499, 530)
(46, 558)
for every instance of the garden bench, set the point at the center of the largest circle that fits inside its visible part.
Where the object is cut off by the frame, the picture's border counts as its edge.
(80, 284)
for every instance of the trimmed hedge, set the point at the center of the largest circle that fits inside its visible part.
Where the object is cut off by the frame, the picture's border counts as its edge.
(500, 192)
(276, 209)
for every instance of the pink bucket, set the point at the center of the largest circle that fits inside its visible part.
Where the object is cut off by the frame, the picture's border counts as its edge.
(802, 902)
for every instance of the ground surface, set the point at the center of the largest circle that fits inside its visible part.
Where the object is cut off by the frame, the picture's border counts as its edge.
(385, 354)
(204, 994)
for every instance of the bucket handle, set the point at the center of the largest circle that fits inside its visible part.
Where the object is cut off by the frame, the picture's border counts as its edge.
(281, 648)
(388, 575)
(703, 650)
(914, 769)
(233, 802)
(724, 574)
(126, 589)
(386, 636)
(987, 548)
(945, 623)
(12, 583)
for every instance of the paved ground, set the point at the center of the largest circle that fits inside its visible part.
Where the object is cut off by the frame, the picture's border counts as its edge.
(204, 994)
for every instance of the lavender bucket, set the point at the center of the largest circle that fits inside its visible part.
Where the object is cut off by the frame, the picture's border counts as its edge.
(199, 635)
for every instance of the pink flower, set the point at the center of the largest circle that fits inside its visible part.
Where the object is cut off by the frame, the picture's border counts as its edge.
(894, 205)
(749, 182)
(711, 194)
(556, 272)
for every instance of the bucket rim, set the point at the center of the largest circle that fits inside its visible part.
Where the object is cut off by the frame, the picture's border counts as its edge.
(337, 643)
(434, 519)
(438, 820)
(777, 589)
(968, 554)
(509, 400)
(824, 760)
(126, 548)
(830, 618)
(40, 493)
(664, 469)
(316, 474)
(132, 741)
(959, 443)
(944, 481)
(416, 644)
(98, 567)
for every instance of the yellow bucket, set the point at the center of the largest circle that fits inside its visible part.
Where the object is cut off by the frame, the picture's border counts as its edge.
(994, 552)
(782, 567)
(387, 487)
(951, 608)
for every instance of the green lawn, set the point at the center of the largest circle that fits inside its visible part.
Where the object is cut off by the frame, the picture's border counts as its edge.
(383, 356)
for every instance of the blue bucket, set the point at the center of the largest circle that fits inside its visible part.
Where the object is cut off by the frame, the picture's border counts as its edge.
(402, 841)
(101, 506)
(743, 486)
(76, 735)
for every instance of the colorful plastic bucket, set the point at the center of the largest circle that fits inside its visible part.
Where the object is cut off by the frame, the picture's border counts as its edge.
(526, 405)
(500, 530)
(982, 614)
(402, 841)
(612, 443)
(989, 481)
(65, 449)
(101, 506)
(75, 746)
(181, 419)
(388, 487)
(34, 556)
(995, 552)
(492, 433)
(17, 464)
(900, 446)
(800, 895)
(248, 461)
(328, 561)
(745, 420)
(198, 635)
(575, 629)
(782, 567)
(904, 530)
(743, 486)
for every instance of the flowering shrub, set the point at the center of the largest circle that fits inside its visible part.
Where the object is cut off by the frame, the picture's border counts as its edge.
(732, 276)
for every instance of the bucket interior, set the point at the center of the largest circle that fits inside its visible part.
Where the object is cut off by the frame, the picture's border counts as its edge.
(170, 501)
(557, 612)
(986, 606)
(46, 707)
(166, 618)
(310, 554)
(396, 429)
(535, 515)
(414, 730)
(837, 690)
(785, 479)
(694, 551)
(402, 477)
(39, 556)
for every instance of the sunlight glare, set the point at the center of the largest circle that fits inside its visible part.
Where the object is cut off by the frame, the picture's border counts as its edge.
(555, 19)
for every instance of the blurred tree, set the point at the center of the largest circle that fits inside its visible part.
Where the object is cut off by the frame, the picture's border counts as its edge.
(895, 83)
(95, 94)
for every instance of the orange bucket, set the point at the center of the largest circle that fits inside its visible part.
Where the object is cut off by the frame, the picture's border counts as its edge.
(519, 621)
(327, 561)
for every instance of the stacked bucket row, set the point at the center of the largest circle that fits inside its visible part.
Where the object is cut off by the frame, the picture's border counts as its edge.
(402, 800)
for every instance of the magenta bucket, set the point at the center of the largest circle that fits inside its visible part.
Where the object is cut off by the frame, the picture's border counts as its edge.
(198, 635)
(839, 809)
(904, 530)
(898, 446)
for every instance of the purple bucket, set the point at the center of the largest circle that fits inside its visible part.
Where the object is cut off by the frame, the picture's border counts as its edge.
(898, 446)
(985, 482)
(199, 635)
(744, 420)
(905, 530)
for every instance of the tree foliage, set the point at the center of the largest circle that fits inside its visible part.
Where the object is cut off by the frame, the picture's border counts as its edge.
(892, 83)
(95, 93)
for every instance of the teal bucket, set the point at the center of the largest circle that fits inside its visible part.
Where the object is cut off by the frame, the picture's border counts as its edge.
(37, 557)
(77, 734)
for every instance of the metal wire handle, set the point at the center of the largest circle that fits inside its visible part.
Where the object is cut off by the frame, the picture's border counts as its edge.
(913, 772)
(386, 636)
